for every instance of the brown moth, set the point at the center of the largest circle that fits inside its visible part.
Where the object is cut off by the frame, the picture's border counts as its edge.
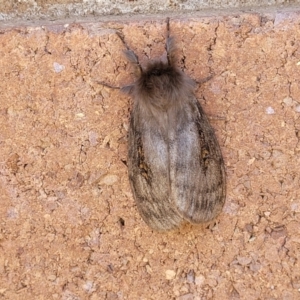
(175, 165)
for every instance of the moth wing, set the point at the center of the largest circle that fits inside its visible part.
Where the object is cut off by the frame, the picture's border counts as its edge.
(148, 167)
(197, 170)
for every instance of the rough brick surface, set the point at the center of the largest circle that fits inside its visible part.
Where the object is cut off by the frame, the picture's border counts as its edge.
(69, 225)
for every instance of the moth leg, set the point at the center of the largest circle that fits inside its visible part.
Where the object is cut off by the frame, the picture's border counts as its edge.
(108, 85)
(131, 57)
(170, 45)
(204, 80)
(127, 89)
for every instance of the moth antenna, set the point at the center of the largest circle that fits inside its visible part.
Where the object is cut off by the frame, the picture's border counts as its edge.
(168, 27)
(170, 45)
(131, 56)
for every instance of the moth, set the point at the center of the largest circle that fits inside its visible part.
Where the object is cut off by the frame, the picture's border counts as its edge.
(175, 165)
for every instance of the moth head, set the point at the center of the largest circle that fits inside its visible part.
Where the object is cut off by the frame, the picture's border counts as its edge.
(159, 80)
(159, 77)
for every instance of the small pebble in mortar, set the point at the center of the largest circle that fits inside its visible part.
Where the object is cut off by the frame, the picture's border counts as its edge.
(270, 110)
(57, 67)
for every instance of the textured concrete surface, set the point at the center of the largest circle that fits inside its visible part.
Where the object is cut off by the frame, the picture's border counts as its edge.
(69, 226)
(57, 9)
